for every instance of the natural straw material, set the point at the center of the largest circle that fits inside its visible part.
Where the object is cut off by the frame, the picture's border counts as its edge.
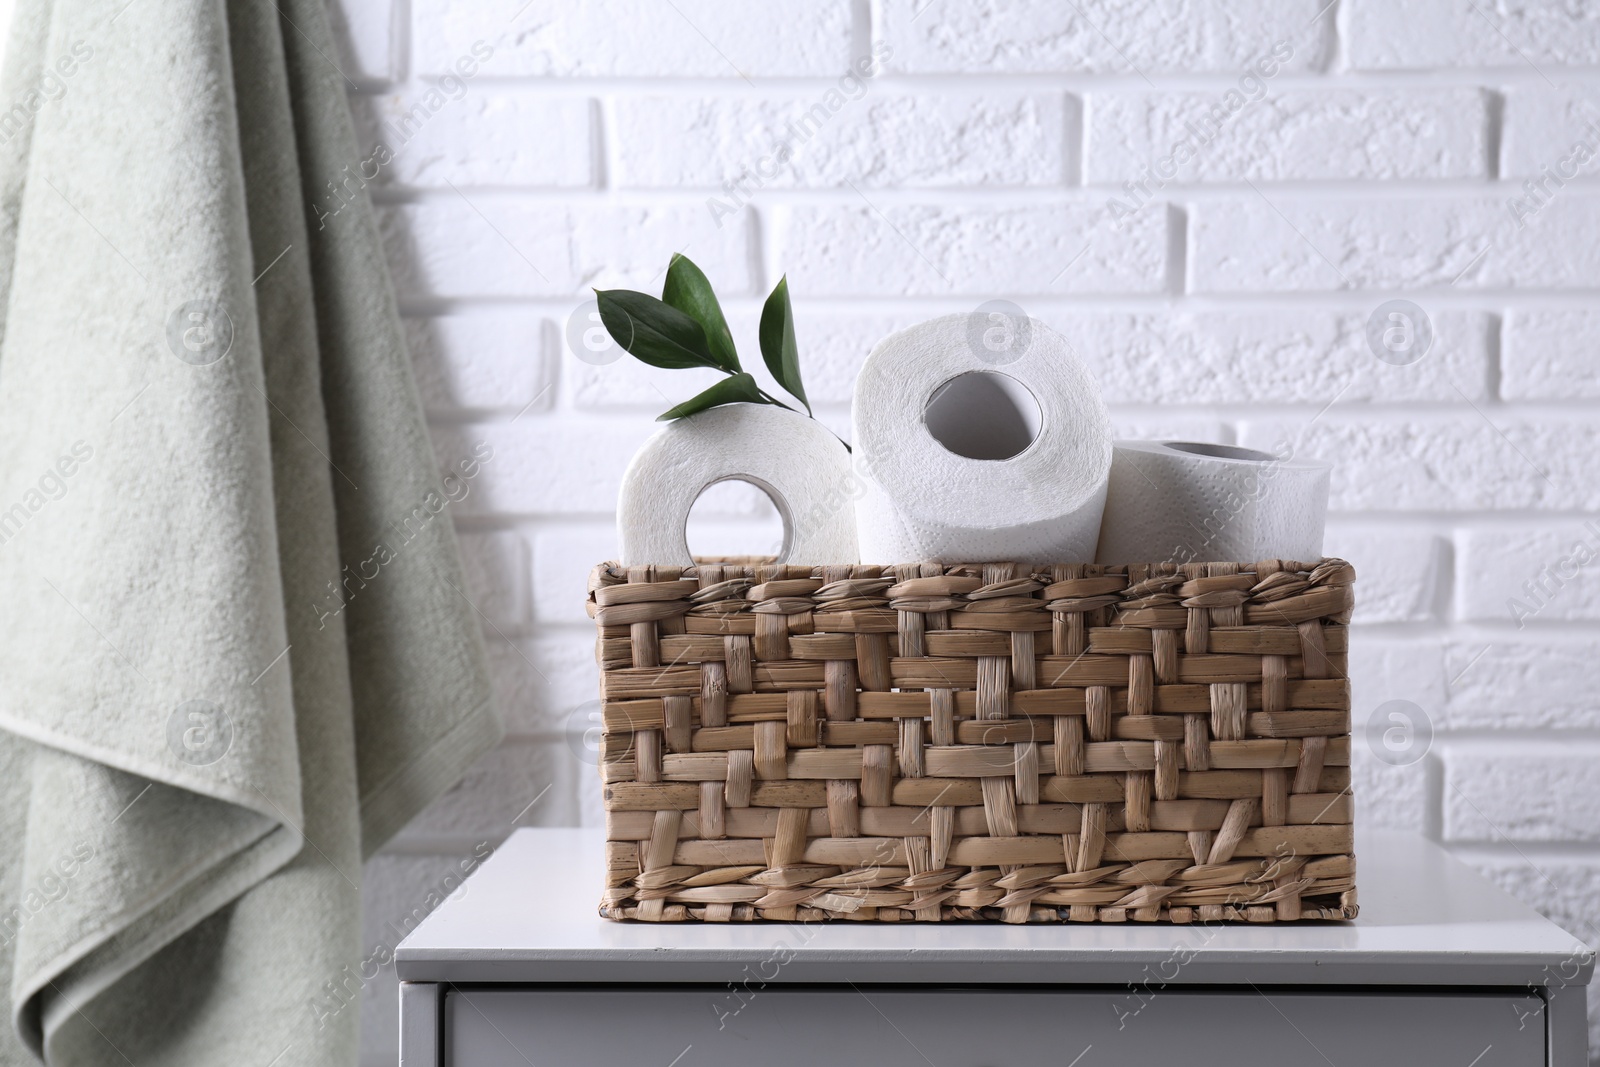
(926, 742)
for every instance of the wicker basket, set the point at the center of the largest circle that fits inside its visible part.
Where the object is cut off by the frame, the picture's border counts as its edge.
(1073, 743)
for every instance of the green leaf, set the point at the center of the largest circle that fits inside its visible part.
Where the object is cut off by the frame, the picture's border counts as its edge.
(738, 389)
(688, 290)
(777, 342)
(652, 331)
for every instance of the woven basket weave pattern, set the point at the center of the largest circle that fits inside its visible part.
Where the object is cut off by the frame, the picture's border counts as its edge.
(927, 742)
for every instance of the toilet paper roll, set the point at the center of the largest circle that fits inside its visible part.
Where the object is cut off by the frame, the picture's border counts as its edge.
(969, 455)
(800, 465)
(1187, 501)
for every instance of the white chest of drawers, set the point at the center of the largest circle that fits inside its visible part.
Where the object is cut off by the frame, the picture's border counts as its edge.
(1469, 979)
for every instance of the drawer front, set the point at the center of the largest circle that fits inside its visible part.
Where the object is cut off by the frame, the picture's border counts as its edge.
(714, 1026)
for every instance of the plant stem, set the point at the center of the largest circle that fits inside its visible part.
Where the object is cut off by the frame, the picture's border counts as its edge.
(774, 400)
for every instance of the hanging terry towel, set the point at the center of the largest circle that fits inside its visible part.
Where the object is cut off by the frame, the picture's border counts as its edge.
(236, 651)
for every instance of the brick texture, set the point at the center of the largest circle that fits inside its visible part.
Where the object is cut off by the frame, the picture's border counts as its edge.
(1288, 242)
(1548, 354)
(863, 135)
(1211, 357)
(1040, 36)
(1402, 573)
(465, 134)
(636, 38)
(458, 245)
(1447, 462)
(917, 248)
(1534, 793)
(1528, 575)
(494, 360)
(1424, 34)
(1550, 132)
(1338, 157)
(1265, 134)
(1520, 681)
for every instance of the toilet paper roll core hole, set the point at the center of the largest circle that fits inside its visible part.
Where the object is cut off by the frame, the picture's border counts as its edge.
(984, 415)
(708, 536)
(1202, 448)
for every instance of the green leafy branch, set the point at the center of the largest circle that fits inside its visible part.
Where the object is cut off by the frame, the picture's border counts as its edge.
(686, 328)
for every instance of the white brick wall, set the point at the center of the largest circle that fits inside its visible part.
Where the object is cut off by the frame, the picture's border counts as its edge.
(635, 38)
(931, 247)
(1296, 135)
(876, 138)
(1445, 34)
(1209, 197)
(1045, 36)
(1548, 354)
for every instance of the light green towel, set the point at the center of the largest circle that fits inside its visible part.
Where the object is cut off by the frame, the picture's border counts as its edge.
(236, 652)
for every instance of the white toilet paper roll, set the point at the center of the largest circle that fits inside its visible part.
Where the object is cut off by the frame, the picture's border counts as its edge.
(967, 455)
(1188, 502)
(800, 465)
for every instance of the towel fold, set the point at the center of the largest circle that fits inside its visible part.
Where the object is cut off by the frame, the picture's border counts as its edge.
(237, 651)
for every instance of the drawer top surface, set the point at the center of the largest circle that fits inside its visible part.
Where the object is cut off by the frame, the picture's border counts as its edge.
(528, 915)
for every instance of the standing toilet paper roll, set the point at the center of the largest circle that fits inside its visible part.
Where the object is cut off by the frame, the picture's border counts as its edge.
(799, 464)
(1186, 501)
(967, 454)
